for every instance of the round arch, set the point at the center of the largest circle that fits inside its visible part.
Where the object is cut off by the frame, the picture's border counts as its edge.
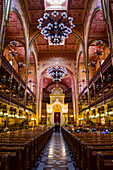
(75, 34)
(25, 39)
(4, 18)
(98, 39)
(41, 81)
(12, 40)
(21, 22)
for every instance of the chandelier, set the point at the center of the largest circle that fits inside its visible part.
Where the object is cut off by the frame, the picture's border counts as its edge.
(14, 43)
(13, 53)
(99, 51)
(98, 42)
(56, 73)
(55, 30)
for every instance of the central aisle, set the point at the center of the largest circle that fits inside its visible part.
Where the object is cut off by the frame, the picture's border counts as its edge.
(56, 155)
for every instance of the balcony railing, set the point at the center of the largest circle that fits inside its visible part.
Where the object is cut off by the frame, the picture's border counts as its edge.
(9, 68)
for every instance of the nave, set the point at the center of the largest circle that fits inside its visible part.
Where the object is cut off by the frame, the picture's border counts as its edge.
(40, 148)
(56, 155)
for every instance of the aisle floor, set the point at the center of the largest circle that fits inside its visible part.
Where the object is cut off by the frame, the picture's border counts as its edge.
(56, 155)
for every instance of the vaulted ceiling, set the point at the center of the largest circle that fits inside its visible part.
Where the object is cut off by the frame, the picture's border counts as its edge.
(35, 9)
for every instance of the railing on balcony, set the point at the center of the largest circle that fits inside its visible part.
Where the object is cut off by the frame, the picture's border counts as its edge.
(102, 91)
(8, 94)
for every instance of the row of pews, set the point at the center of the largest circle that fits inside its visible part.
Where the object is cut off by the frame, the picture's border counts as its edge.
(90, 150)
(21, 149)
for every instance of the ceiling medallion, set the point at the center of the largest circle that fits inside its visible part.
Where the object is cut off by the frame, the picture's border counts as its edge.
(56, 73)
(55, 30)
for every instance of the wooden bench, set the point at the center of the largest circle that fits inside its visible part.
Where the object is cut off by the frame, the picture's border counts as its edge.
(104, 160)
(91, 155)
(31, 142)
(4, 161)
(14, 160)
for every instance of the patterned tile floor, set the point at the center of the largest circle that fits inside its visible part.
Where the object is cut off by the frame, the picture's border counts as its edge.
(56, 155)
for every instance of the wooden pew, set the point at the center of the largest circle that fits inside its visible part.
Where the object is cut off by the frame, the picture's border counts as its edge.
(14, 160)
(78, 144)
(104, 161)
(25, 152)
(4, 161)
(82, 155)
(36, 141)
(91, 155)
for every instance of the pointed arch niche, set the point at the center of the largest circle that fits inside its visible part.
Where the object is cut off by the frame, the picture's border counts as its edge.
(15, 43)
(98, 29)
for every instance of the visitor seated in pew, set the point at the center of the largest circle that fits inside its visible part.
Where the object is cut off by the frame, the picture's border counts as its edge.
(93, 130)
(6, 129)
(105, 132)
(78, 131)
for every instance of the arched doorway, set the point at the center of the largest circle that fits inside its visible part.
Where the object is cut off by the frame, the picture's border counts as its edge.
(57, 109)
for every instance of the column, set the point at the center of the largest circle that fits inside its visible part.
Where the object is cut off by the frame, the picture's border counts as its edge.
(16, 118)
(37, 103)
(7, 118)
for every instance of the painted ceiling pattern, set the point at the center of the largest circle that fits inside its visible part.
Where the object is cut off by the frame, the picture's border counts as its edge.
(75, 10)
(56, 55)
(14, 27)
(67, 81)
(76, 4)
(32, 61)
(46, 81)
(0, 12)
(36, 8)
(70, 45)
(98, 26)
(98, 31)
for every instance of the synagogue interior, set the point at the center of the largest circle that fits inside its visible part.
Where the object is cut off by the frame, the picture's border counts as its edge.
(56, 84)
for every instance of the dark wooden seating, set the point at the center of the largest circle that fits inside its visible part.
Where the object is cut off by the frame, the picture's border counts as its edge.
(23, 147)
(84, 147)
(4, 162)
(14, 158)
(104, 160)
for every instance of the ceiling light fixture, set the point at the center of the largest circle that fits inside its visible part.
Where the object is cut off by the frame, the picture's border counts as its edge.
(56, 73)
(55, 30)
(14, 43)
